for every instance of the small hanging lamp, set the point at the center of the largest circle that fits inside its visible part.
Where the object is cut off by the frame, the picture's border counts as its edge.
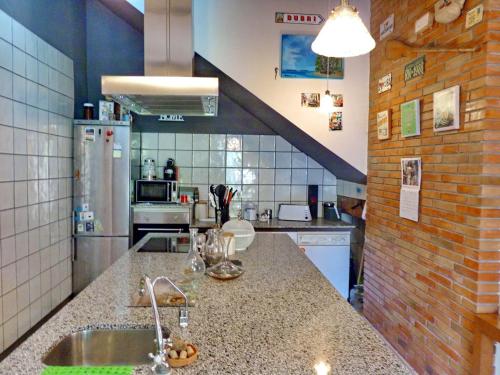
(344, 34)
(326, 100)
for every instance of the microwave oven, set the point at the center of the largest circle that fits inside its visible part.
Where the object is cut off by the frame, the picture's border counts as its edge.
(155, 191)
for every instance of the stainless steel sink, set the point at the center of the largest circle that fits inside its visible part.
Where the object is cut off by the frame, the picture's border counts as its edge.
(103, 347)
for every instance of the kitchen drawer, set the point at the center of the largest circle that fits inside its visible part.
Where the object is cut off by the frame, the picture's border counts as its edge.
(323, 239)
(161, 217)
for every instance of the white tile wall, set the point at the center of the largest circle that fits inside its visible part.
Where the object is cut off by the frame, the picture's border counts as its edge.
(351, 189)
(265, 169)
(36, 111)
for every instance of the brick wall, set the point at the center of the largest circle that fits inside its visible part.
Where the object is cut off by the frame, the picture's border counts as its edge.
(424, 281)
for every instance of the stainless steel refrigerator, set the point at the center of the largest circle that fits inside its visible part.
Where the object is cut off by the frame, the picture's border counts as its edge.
(101, 197)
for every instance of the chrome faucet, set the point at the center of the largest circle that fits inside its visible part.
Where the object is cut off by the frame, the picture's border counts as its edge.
(161, 366)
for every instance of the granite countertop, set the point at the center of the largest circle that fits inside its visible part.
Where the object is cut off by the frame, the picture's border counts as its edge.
(319, 224)
(280, 317)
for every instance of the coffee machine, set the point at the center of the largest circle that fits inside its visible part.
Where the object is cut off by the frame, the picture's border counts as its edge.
(170, 171)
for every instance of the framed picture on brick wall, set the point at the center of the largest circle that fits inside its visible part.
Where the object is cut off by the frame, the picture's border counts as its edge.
(384, 124)
(447, 109)
(410, 118)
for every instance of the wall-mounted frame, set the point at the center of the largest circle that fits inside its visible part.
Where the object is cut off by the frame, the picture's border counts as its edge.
(384, 125)
(338, 100)
(410, 118)
(335, 121)
(387, 27)
(299, 61)
(310, 99)
(415, 69)
(411, 173)
(447, 109)
(384, 83)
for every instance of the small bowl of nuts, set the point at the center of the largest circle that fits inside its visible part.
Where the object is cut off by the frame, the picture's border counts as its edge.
(181, 354)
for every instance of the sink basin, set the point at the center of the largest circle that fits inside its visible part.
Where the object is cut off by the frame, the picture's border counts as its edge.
(103, 347)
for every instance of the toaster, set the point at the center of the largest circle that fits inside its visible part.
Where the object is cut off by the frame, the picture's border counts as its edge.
(295, 212)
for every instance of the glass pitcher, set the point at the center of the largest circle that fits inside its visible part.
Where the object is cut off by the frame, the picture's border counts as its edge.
(194, 266)
(214, 251)
(225, 270)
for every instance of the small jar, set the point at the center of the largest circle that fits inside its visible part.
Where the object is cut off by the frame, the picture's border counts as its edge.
(88, 111)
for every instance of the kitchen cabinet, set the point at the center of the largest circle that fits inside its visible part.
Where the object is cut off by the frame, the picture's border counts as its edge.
(330, 253)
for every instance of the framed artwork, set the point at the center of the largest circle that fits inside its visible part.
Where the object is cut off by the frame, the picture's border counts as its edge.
(384, 124)
(447, 109)
(335, 121)
(338, 100)
(310, 100)
(410, 118)
(415, 69)
(411, 172)
(384, 83)
(299, 61)
(387, 27)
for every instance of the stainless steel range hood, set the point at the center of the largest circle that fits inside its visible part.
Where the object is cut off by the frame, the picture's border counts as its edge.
(168, 86)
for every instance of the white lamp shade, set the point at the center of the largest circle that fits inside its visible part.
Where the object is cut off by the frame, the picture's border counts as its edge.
(343, 35)
(326, 103)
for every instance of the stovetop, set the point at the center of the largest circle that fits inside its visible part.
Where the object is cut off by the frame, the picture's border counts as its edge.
(165, 245)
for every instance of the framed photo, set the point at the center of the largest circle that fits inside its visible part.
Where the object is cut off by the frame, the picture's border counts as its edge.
(410, 118)
(384, 83)
(338, 100)
(411, 172)
(335, 122)
(299, 61)
(310, 100)
(447, 109)
(384, 124)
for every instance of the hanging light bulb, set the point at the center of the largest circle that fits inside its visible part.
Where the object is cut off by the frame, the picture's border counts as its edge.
(344, 34)
(326, 103)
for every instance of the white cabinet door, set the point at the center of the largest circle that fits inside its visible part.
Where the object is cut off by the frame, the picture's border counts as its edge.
(333, 262)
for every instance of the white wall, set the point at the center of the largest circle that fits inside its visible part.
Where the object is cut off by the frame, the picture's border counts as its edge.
(241, 38)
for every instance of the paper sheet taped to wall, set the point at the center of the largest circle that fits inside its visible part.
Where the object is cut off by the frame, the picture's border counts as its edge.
(408, 203)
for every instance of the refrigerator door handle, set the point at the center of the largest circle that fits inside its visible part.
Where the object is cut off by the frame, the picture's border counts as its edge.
(73, 250)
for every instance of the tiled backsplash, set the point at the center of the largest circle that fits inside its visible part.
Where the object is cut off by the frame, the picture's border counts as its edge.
(265, 169)
(36, 109)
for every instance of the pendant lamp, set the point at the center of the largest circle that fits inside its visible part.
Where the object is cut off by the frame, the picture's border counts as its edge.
(326, 100)
(344, 34)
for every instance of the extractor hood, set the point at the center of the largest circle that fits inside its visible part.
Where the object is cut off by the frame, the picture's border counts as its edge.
(168, 86)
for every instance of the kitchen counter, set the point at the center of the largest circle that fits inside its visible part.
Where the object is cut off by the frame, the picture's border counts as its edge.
(275, 225)
(280, 317)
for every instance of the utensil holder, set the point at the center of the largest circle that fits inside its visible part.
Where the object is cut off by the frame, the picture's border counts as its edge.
(224, 217)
